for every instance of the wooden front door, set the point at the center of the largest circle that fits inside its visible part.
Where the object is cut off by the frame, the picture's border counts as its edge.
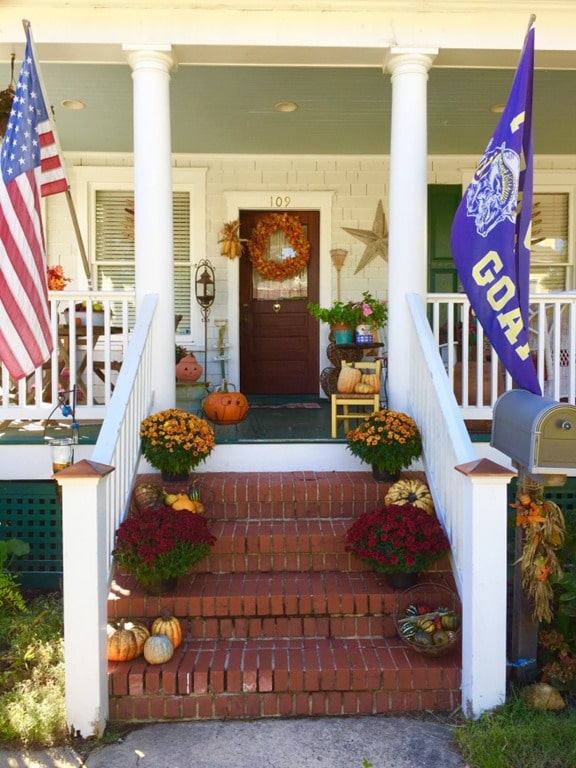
(278, 337)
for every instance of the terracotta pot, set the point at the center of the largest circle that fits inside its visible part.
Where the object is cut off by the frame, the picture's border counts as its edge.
(188, 369)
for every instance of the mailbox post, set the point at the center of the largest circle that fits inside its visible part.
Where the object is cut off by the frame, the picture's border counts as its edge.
(539, 435)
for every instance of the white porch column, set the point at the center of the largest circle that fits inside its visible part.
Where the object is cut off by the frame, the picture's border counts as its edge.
(153, 236)
(407, 253)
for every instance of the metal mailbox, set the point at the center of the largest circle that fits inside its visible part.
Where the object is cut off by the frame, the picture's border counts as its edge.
(537, 432)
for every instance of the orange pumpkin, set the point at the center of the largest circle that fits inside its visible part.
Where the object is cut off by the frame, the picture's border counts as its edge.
(141, 634)
(169, 626)
(225, 407)
(122, 644)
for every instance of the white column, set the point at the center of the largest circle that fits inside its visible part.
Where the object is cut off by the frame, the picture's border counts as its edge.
(407, 250)
(153, 235)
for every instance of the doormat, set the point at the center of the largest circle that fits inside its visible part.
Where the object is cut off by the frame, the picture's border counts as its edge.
(287, 405)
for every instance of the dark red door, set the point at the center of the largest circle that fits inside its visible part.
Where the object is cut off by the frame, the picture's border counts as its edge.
(278, 337)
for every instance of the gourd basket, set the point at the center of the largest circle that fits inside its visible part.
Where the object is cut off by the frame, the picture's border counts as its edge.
(428, 619)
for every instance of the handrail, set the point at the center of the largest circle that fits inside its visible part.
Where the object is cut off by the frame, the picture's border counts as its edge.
(95, 499)
(118, 442)
(470, 498)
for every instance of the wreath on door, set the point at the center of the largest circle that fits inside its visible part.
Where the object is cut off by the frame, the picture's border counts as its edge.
(291, 226)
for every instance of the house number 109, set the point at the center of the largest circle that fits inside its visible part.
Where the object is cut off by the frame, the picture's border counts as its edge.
(279, 201)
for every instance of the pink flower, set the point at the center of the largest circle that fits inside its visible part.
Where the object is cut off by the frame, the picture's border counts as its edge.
(366, 310)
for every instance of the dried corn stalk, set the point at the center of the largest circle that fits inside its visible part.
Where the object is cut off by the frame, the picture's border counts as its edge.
(230, 239)
(544, 527)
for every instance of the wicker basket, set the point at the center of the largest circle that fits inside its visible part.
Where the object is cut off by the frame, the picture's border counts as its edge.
(427, 618)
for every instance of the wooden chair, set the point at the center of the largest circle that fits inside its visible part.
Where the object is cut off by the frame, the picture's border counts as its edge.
(355, 400)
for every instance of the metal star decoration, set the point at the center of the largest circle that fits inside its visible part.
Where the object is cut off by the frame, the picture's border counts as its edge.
(376, 239)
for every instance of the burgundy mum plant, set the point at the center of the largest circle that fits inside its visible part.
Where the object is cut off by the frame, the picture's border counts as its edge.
(161, 543)
(397, 539)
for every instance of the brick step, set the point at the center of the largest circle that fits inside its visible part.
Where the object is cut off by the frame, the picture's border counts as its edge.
(304, 544)
(285, 677)
(282, 495)
(267, 604)
(311, 544)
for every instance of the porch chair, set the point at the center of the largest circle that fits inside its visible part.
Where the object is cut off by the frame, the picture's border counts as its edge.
(356, 400)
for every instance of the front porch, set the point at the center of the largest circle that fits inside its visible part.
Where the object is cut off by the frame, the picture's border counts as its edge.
(470, 503)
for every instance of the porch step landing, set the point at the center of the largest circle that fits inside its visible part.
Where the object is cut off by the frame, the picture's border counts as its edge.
(280, 620)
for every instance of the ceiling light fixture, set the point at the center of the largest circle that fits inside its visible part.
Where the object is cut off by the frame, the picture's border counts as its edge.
(72, 104)
(286, 106)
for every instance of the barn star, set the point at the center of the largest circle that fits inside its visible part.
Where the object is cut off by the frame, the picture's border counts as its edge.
(376, 239)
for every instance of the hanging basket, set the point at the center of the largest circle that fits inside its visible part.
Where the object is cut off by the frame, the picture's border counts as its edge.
(428, 618)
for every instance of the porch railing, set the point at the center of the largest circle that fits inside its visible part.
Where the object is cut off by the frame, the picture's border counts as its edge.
(88, 349)
(470, 499)
(476, 376)
(95, 499)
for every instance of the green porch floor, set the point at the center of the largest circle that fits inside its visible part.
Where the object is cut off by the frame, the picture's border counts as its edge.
(271, 419)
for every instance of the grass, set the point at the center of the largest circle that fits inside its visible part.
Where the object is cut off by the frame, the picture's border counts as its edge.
(32, 709)
(514, 736)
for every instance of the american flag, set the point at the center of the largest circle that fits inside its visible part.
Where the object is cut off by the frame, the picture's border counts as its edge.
(30, 168)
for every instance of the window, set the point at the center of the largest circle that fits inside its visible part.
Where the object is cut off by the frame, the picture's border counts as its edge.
(104, 200)
(114, 246)
(549, 250)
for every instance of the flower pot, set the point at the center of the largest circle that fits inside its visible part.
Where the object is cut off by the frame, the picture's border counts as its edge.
(180, 477)
(399, 580)
(343, 335)
(382, 476)
(160, 586)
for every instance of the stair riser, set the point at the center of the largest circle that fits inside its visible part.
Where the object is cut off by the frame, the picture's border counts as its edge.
(316, 704)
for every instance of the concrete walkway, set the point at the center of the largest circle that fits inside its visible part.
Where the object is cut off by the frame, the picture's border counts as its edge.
(380, 742)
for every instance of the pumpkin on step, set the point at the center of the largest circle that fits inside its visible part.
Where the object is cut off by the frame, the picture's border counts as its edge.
(147, 496)
(408, 491)
(169, 626)
(158, 649)
(123, 644)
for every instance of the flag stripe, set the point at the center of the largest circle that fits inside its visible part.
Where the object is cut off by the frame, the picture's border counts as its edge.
(30, 167)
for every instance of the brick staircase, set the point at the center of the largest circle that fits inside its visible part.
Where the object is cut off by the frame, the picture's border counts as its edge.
(280, 620)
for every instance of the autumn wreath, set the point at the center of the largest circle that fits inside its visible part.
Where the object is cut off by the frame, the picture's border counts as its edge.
(269, 269)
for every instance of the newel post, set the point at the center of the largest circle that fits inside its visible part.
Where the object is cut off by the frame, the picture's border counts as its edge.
(484, 590)
(85, 558)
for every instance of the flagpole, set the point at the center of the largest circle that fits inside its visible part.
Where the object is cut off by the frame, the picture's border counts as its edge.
(85, 263)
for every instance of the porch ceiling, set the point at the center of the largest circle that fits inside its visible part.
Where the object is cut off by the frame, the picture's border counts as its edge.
(342, 110)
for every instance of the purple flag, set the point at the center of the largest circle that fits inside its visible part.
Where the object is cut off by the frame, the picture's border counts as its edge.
(492, 228)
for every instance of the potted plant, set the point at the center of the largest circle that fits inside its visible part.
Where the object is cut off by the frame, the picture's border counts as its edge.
(398, 539)
(388, 441)
(373, 312)
(56, 278)
(342, 317)
(159, 545)
(175, 442)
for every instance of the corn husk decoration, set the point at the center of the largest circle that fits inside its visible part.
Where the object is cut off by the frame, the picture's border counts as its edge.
(544, 528)
(232, 245)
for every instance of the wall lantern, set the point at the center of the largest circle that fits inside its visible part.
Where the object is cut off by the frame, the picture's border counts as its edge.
(205, 290)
